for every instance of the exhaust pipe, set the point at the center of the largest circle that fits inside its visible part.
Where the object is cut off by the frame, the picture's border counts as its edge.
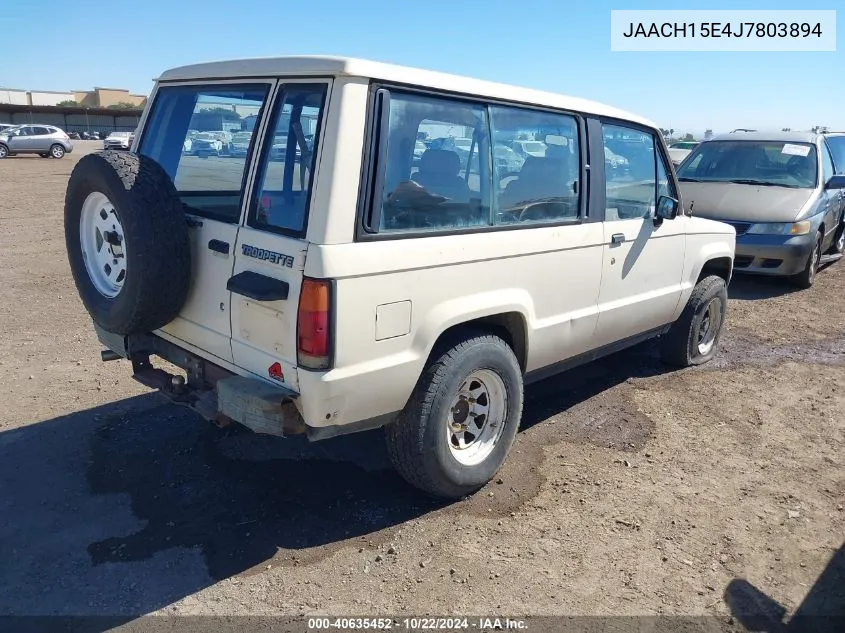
(108, 354)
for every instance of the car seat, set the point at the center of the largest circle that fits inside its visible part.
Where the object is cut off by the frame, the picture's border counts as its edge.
(438, 173)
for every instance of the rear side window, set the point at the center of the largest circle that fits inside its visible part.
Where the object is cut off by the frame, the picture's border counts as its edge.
(536, 163)
(442, 182)
(287, 164)
(191, 132)
(446, 164)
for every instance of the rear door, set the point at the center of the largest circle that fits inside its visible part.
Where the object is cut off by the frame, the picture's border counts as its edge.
(271, 245)
(212, 191)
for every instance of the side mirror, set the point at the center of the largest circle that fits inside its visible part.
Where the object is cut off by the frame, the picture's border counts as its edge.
(835, 182)
(667, 208)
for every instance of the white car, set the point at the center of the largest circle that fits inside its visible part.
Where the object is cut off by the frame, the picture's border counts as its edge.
(119, 140)
(351, 289)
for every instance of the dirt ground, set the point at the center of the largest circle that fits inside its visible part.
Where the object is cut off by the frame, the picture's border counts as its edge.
(632, 490)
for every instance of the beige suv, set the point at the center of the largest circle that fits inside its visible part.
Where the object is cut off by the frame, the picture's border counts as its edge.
(335, 277)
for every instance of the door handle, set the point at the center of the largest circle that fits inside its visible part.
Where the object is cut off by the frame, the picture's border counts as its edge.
(258, 287)
(219, 246)
(617, 238)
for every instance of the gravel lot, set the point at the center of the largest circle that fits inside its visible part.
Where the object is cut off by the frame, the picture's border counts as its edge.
(631, 489)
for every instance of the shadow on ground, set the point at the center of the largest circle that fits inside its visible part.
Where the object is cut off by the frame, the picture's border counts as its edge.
(129, 507)
(822, 611)
(757, 287)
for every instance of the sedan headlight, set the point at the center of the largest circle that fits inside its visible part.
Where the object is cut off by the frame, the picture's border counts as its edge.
(780, 228)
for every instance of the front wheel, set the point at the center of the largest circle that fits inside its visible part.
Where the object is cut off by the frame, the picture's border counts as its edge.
(461, 420)
(57, 151)
(694, 337)
(838, 247)
(806, 277)
(4, 151)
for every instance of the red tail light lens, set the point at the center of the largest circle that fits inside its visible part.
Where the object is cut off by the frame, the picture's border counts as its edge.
(313, 336)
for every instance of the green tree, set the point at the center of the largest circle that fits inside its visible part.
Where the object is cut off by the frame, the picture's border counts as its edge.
(68, 103)
(688, 137)
(123, 105)
(225, 113)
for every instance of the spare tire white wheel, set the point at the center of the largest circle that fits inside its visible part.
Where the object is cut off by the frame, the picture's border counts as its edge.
(127, 242)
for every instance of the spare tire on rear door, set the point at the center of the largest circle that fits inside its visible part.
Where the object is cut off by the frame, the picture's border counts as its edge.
(127, 241)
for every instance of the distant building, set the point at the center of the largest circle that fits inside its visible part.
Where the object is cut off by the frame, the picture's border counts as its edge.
(105, 97)
(96, 98)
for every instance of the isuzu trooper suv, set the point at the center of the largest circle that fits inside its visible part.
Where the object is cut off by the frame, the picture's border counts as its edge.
(336, 277)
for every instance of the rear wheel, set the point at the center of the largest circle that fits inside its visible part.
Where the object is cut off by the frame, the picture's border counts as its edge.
(694, 337)
(806, 277)
(44, 155)
(462, 418)
(57, 151)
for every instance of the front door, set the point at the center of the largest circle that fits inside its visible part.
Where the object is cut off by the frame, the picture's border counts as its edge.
(212, 191)
(22, 141)
(643, 259)
(271, 246)
(834, 199)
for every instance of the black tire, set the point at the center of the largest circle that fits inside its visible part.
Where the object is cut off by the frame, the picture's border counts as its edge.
(57, 151)
(680, 345)
(807, 277)
(4, 151)
(838, 246)
(417, 441)
(158, 265)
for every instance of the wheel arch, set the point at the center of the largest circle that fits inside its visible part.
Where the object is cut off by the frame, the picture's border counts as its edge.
(510, 326)
(719, 266)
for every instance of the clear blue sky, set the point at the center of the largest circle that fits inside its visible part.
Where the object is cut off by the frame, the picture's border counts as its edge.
(557, 45)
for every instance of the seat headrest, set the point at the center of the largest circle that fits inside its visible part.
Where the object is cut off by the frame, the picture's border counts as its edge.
(440, 161)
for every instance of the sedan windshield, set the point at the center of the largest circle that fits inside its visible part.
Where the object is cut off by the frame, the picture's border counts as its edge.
(776, 163)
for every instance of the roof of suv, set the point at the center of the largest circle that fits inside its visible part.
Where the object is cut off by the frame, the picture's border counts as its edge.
(793, 137)
(351, 67)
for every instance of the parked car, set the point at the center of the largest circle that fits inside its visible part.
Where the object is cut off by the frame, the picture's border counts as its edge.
(119, 140)
(205, 144)
(45, 140)
(679, 150)
(529, 148)
(240, 143)
(374, 293)
(778, 190)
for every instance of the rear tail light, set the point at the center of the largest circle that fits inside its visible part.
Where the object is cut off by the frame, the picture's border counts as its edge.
(313, 324)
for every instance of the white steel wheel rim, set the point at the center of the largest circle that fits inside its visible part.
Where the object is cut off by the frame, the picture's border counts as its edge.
(476, 418)
(103, 245)
(709, 327)
(58, 152)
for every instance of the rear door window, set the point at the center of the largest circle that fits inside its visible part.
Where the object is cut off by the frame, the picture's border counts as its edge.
(287, 165)
(203, 136)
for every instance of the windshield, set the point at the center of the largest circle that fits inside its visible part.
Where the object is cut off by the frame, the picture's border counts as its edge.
(120, 134)
(752, 162)
(7, 130)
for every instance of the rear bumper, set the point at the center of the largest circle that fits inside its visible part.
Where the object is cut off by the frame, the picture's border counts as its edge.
(217, 394)
(772, 254)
